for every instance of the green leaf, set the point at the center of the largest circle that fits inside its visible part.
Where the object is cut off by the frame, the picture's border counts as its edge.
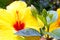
(42, 19)
(44, 13)
(55, 33)
(43, 16)
(34, 11)
(42, 31)
(28, 32)
(52, 16)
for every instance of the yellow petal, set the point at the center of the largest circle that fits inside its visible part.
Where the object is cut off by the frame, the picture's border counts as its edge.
(7, 35)
(21, 13)
(4, 15)
(6, 31)
(54, 26)
(5, 25)
(17, 5)
(58, 11)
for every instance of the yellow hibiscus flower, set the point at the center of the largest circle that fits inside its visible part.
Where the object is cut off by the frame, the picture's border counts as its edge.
(15, 17)
(23, 14)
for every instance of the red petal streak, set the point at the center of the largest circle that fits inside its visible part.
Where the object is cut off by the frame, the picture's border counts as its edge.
(17, 12)
(19, 25)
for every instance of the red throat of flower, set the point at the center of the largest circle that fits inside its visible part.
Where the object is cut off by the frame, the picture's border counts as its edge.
(19, 25)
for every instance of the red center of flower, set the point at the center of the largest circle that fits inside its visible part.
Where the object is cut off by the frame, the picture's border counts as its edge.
(19, 25)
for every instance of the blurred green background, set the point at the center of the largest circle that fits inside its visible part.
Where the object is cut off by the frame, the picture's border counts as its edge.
(39, 4)
(4, 3)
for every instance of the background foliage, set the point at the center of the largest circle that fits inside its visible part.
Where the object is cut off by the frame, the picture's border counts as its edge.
(39, 4)
(44, 4)
(4, 3)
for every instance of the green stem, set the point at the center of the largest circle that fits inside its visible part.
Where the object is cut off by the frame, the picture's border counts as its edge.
(47, 31)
